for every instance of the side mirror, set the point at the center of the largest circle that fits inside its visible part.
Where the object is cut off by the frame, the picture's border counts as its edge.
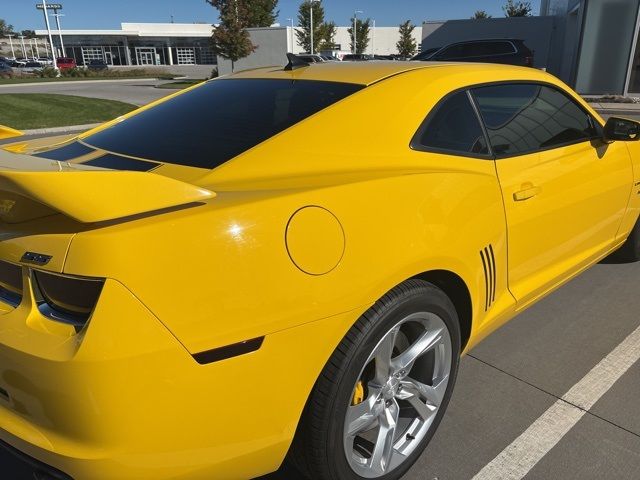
(621, 129)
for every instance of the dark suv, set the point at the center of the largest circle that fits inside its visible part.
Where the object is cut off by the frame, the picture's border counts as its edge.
(510, 51)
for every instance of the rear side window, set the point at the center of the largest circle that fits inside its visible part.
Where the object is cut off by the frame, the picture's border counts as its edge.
(213, 123)
(452, 127)
(524, 118)
(498, 48)
(454, 51)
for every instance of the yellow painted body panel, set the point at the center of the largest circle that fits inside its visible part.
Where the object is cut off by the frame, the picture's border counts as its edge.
(8, 132)
(97, 196)
(124, 398)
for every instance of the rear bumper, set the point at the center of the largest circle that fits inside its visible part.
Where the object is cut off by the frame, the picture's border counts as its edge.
(41, 471)
(124, 399)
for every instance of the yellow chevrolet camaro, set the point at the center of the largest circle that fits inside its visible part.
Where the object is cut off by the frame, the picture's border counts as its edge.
(289, 263)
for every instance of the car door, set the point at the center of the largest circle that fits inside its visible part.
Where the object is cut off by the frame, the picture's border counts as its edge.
(564, 190)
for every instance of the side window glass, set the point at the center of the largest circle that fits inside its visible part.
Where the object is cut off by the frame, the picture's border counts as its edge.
(500, 48)
(454, 51)
(453, 127)
(524, 118)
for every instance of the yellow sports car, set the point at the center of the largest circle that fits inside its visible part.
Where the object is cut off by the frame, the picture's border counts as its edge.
(289, 262)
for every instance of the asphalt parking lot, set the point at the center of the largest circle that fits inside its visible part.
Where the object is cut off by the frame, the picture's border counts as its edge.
(512, 378)
(518, 374)
(136, 92)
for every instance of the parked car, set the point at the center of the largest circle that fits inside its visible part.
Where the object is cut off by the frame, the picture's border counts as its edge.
(29, 67)
(197, 289)
(384, 57)
(45, 62)
(357, 57)
(507, 51)
(309, 58)
(97, 65)
(425, 54)
(66, 63)
(5, 70)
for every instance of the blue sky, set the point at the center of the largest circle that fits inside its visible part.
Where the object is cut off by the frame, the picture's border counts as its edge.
(81, 14)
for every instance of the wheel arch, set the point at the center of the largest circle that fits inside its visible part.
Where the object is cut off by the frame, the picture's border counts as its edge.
(456, 289)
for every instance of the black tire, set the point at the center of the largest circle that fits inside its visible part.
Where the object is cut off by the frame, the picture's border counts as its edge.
(318, 451)
(630, 250)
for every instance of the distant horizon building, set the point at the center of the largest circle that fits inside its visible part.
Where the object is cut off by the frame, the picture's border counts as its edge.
(153, 44)
(141, 44)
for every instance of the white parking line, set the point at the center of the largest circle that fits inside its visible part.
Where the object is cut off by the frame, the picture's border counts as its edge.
(515, 461)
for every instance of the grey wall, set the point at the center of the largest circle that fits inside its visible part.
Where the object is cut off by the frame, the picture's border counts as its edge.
(537, 33)
(271, 49)
(607, 36)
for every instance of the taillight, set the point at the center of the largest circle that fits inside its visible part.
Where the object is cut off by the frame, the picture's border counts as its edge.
(66, 299)
(528, 61)
(10, 283)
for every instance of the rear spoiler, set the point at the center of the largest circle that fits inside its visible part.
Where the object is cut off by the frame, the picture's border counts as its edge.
(8, 132)
(85, 194)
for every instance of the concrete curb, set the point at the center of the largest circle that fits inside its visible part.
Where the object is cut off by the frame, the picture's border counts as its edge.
(70, 128)
(80, 82)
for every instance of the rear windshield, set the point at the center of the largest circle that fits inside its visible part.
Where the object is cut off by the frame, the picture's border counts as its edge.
(211, 124)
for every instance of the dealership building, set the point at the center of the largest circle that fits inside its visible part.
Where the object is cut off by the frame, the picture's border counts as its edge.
(139, 44)
(148, 44)
(599, 44)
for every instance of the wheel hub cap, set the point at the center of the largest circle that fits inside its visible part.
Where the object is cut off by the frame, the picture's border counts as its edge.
(407, 374)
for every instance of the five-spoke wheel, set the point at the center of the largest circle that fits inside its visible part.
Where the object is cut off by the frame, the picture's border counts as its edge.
(405, 379)
(384, 390)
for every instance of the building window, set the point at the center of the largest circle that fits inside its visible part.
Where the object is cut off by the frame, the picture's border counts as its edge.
(186, 56)
(92, 53)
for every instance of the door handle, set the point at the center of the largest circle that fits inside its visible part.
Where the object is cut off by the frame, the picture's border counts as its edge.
(526, 194)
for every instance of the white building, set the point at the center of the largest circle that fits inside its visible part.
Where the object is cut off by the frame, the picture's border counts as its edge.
(139, 44)
(189, 43)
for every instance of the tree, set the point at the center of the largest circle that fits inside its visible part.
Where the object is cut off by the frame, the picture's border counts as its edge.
(517, 9)
(5, 29)
(323, 32)
(480, 15)
(362, 35)
(327, 33)
(407, 44)
(28, 33)
(261, 13)
(230, 38)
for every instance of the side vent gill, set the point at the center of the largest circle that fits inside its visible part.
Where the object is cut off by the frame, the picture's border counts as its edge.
(489, 266)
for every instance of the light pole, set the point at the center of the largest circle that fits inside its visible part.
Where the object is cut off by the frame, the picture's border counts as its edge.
(311, 2)
(58, 15)
(355, 30)
(24, 49)
(46, 21)
(373, 38)
(13, 54)
(291, 20)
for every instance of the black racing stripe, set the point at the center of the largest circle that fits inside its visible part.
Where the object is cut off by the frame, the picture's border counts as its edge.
(228, 351)
(116, 162)
(486, 281)
(68, 152)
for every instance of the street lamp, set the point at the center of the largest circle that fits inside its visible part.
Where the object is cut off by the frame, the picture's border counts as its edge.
(311, 2)
(43, 6)
(24, 49)
(355, 30)
(58, 15)
(13, 54)
(291, 20)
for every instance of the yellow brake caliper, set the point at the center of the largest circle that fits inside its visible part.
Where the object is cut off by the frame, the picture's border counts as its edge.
(358, 394)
